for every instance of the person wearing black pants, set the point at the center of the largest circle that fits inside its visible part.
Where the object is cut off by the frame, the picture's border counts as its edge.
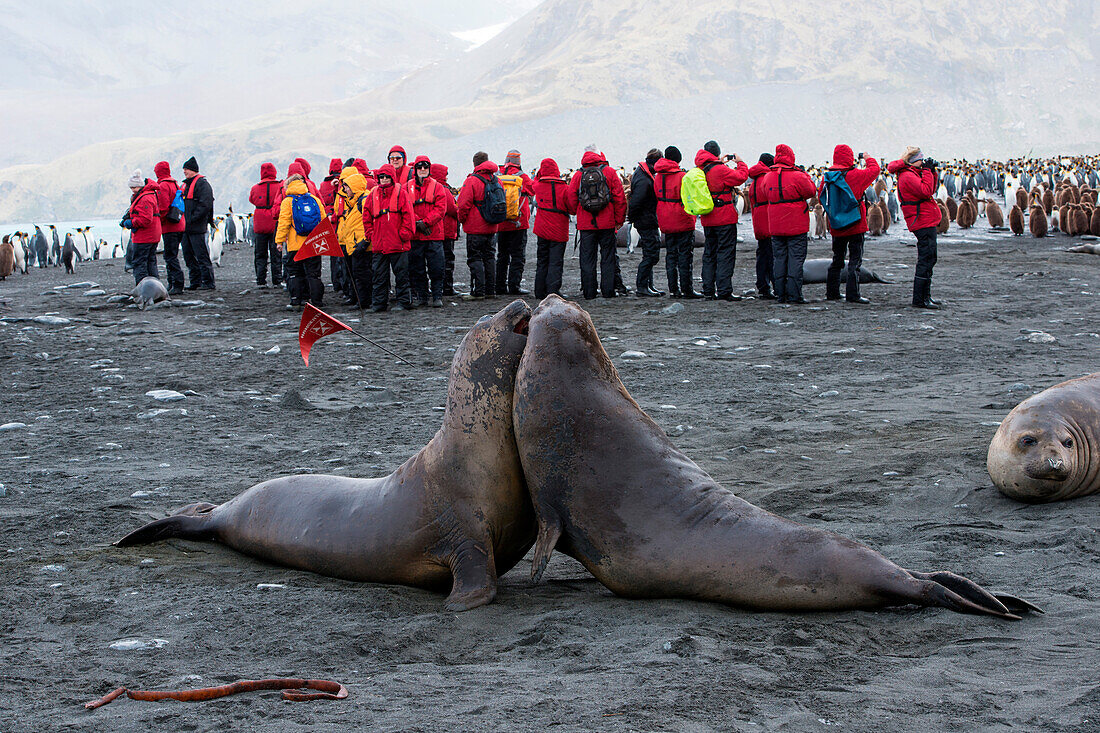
(303, 280)
(511, 257)
(918, 179)
(448, 267)
(642, 212)
(650, 242)
(549, 264)
(479, 257)
(399, 263)
(172, 261)
(789, 254)
(601, 242)
(926, 260)
(719, 258)
(266, 249)
(853, 245)
(678, 263)
(362, 274)
(198, 202)
(765, 266)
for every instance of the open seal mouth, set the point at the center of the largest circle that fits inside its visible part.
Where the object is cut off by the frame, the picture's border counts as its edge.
(523, 328)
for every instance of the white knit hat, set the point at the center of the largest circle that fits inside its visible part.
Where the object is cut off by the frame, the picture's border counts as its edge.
(136, 179)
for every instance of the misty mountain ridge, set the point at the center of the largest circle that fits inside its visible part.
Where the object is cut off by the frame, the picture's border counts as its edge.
(987, 79)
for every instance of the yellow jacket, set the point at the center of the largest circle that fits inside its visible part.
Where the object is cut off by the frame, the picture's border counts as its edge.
(286, 234)
(349, 228)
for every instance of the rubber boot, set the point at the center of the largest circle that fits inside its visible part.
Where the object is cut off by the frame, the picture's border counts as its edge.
(921, 289)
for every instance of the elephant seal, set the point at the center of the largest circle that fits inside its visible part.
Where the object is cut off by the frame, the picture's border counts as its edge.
(455, 514)
(1048, 448)
(814, 271)
(610, 490)
(150, 290)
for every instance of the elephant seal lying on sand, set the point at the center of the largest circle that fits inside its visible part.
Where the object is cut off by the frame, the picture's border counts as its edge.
(456, 514)
(1048, 448)
(610, 490)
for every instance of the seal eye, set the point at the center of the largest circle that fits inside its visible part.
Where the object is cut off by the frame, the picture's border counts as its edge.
(1028, 441)
(1068, 442)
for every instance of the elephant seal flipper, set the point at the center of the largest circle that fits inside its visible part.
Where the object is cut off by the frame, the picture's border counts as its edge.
(610, 490)
(452, 516)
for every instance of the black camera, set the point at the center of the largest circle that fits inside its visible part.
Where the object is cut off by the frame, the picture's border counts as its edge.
(931, 163)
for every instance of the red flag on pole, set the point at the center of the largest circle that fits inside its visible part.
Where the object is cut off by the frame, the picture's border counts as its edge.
(316, 324)
(321, 241)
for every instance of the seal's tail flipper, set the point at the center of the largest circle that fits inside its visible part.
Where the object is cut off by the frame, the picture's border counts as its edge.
(964, 595)
(549, 532)
(192, 523)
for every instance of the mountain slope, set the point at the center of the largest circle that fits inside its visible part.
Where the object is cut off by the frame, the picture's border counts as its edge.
(987, 78)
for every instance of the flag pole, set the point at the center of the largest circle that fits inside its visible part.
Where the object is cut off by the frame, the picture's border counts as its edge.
(375, 343)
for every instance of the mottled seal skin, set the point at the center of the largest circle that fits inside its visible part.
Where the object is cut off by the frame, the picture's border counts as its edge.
(150, 290)
(610, 490)
(1048, 448)
(454, 515)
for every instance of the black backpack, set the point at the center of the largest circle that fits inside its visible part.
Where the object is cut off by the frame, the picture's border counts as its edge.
(492, 206)
(594, 194)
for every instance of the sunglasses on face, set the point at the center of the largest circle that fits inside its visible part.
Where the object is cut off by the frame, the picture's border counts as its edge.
(396, 157)
(423, 166)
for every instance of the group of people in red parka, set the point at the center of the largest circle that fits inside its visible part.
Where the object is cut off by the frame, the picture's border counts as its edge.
(402, 219)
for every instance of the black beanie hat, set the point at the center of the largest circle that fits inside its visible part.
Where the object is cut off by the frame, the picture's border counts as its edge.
(712, 147)
(653, 156)
(673, 153)
(767, 159)
(191, 164)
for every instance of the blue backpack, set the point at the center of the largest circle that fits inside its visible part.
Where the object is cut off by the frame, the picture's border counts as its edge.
(493, 205)
(175, 209)
(306, 214)
(839, 202)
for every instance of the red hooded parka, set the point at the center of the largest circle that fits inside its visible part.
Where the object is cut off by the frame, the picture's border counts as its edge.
(331, 185)
(758, 201)
(166, 191)
(671, 217)
(450, 221)
(144, 214)
(553, 203)
(916, 187)
(405, 172)
(264, 196)
(721, 180)
(858, 180)
(611, 216)
(786, 188)
(388, 219)
(473, 192)
(429, 203)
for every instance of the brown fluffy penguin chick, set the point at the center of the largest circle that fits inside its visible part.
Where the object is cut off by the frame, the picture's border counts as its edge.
(1021, 198)
(1094, 223)
(966, 215)
(945, 219)
(1016, 220)
(1048, 201)
(885, 211)
(1080, 220)
(993, 214)
(874, 221)
(1064, 219)
(952, 208)
(1037, 221)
